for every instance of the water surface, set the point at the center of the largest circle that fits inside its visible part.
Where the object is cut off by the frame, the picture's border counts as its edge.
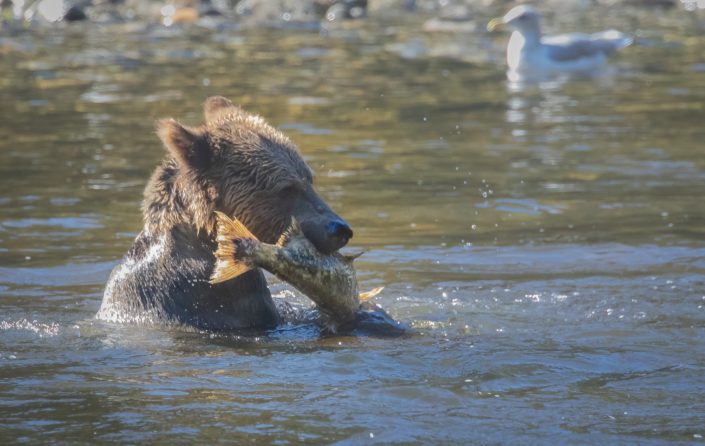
(546, 243)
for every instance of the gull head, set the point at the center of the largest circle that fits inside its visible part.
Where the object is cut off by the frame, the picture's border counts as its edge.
(523, 19)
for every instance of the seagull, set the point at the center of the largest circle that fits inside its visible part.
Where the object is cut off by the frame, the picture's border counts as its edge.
(532, 56)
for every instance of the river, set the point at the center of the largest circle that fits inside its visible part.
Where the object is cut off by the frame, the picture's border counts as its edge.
(546, 243)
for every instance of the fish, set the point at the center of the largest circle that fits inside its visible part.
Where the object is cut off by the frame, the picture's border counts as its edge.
(329, 280)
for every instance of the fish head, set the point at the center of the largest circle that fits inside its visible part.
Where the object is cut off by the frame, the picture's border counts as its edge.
(372, 320)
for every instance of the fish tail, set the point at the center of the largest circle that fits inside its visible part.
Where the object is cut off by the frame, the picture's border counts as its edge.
(370, 294)
(227, 263)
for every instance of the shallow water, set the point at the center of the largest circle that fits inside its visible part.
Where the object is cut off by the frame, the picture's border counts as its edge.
(546, 243)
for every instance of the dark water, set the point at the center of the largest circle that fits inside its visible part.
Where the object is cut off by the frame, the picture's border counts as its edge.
(547, 244)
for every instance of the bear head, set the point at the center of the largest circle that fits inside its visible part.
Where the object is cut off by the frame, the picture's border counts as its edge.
(238, 164)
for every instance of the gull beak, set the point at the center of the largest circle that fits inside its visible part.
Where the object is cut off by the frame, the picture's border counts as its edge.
(495, 23)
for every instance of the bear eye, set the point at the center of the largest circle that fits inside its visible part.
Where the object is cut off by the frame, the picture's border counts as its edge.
(288, 189)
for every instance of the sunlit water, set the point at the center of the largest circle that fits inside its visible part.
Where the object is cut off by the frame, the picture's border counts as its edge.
(546, 243)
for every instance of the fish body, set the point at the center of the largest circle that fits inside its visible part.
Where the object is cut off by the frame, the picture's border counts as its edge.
(328, 280)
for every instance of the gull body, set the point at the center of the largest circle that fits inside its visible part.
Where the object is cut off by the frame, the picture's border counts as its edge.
(531, 55)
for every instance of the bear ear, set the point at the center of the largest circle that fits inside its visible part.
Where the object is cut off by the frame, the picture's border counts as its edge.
(215, 106)
(189, 146)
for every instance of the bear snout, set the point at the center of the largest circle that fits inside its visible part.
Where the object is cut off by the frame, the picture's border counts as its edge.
(327, 236)
(340, 231)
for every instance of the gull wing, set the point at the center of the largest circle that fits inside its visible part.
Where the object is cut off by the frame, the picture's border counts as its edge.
(571, 47)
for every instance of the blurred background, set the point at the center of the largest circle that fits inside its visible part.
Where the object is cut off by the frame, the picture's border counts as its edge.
(546, 241)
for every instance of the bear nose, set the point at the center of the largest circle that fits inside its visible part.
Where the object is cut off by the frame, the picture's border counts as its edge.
(340, 232)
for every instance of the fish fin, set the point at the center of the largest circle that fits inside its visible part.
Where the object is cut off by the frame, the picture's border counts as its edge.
(231, 227)
(292, 231)
(370, 294)
(353, 256)
(227, 269)
(227, 266)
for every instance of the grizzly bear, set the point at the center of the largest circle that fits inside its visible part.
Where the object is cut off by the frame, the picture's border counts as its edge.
(237, 164)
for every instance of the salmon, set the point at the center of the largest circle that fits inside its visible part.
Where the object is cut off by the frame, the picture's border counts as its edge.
(329, 280)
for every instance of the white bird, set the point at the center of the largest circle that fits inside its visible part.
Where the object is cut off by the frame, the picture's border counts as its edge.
(532, 56)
